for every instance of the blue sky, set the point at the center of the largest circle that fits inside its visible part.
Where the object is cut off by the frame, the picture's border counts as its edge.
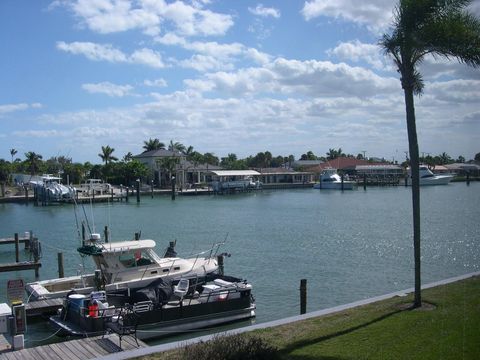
(223, 76)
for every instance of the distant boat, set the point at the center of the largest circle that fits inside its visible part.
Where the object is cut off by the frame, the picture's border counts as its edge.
(329, 179)
(49, 188)
(427, 177)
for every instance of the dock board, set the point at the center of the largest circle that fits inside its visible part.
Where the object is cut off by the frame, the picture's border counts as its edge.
(22, 265)
(80, 349)
(43, 307)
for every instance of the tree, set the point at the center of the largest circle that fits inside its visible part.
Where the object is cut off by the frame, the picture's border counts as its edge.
(128, 157)
(153, 144)
(440, 28)
(477, 157)
(12, 153)
(106, 154)
(176, 147)
(33, 161)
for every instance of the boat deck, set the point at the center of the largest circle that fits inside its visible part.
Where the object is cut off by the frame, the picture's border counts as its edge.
(80, 349)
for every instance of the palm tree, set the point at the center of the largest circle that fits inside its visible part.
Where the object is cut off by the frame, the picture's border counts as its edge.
(441, 28)
(153, 144)
(106, 154)
(33, 161)
(128, 157)
(176, 147)
(12, 153)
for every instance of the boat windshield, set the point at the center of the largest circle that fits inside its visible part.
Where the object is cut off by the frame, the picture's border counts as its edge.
(138, 258)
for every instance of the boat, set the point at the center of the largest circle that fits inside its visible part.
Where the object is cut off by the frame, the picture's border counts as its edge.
(329, 179)
(95, 186)
(126, 265)
(158, 310)
(49, 188)
(427, 177)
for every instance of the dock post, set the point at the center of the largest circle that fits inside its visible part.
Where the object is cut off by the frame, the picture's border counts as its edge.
(406, 181)
(151, 186)
(173, 187)
(26, 194)
(106, 233)
(220, 265)
(83, 232)
(17, 255)
(342, 181)
(138, 190)
(28, 244)
(126, 198)
(137, 236)
(468, 177)
(303, 296)
(112, 194)
(365, 181)
(61, 273)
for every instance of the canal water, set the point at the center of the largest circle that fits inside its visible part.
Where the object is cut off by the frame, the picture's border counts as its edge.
(349, 245)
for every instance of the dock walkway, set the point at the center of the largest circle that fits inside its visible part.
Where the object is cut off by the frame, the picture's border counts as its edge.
(80, 349)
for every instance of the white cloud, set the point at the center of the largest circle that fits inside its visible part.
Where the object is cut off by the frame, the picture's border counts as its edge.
(375, 14)
(156, 83)
(147, 57)
(149, 16)
(109, 89)
(10, 108)
(357, 51)
(106, 52)
(263, 11)
(92, 51)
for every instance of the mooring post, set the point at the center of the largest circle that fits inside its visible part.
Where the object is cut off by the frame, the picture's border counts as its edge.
(126, 198)
(173, 187)
(106, 233)
(341, 177)
(138, 190)
(28, 243)
(83, 233)
(137, 236)
(365, 181)
(406, 181)
(303, 296)
(17, 255)
(112, 194)
(220, 265)
(151, 186)
(26, 194)
(468, 177)
(61, 273)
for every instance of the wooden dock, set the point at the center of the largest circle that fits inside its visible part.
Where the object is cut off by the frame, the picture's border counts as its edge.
(22, 265)
(43, 307)
(80, 349)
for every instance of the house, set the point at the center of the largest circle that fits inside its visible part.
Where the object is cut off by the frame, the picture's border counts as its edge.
(186, 172)
(282, 175)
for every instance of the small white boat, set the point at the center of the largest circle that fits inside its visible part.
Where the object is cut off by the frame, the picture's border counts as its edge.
(427, 177)
(125, 265)
(329, 179)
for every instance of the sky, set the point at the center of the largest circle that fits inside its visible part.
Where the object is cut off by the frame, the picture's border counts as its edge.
(236, 76)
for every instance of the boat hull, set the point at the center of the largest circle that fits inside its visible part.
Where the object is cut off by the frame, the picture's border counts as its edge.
(434, 180)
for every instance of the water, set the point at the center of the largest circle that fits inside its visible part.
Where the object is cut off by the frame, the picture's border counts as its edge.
(349, 246)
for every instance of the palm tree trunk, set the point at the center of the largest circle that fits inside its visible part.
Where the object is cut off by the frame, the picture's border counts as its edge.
(414, 168)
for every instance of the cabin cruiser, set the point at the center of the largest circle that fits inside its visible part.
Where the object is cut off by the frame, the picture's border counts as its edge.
(329, 179)
(157, 310)
(49, 188)
(427, 177)
(125, 265)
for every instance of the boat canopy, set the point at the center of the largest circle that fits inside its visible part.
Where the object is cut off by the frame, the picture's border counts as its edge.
(235, 172)
(116, 247)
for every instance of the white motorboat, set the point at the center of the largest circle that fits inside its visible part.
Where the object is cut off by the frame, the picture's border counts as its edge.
(49, 188)
(125, 265)
(329, 179)
(427, 177)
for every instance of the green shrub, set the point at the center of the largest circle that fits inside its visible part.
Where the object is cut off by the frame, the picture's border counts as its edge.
(235, 347)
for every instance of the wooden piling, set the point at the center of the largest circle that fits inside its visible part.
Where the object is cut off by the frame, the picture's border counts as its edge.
(17, 255)
(126, 198)
(303, 296)
(341, 177)
(173, 187)
(61, 272)
(138, 191)
(137, 236)
(220, 265)
(365, 181)
(106, 234)
(26, 194)
(151, 187)
(112, 194)
(83, 232)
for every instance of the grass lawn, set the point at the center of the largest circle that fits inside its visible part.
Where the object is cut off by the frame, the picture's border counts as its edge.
(447, 327)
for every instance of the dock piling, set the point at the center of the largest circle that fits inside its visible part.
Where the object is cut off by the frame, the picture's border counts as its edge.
(17, 242)
(303, 296)
(106, 234)
(61, 273)
(138, 190)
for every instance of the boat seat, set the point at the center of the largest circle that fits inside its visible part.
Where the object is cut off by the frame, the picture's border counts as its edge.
(125, 324)
(181, 288)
